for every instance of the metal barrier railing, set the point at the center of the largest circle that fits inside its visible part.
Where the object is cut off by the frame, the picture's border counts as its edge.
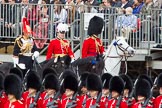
(44, 18)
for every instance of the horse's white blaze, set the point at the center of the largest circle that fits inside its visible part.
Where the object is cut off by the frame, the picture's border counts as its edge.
(114, 55)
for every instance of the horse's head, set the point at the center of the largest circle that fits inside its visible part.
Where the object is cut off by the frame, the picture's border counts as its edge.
(122, 47)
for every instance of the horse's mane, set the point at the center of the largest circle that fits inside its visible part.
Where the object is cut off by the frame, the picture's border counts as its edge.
(83, 61)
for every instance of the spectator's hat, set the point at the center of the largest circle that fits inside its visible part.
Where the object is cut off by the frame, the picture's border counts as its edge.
(142, 88)
(83, 78)
(159, 80)
(33, 81)
(116, 84)
(128, 10)
(2, 80)
(71, 82)
(26, 26)
(128, 82)
(94, 82)
(105, 80)
(17, 71)
(62, 27)
(95, 26)
(51, 82)
(49, 70)
(12, 85)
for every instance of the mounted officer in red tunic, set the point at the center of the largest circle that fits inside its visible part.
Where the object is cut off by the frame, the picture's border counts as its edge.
(93, 45)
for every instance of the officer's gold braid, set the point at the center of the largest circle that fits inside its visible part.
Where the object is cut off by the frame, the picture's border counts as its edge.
(27, 48)
(97, 43)
(65, 44)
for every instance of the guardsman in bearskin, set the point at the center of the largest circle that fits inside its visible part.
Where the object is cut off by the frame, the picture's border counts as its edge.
(17, 71)
(93, 45)
(142, 93)
(105, 90)
(33, 86)
(116, 87)
(60, 46)
(24, 48)
(70, 87)
(158, 99)
(144, 76)
(94, 86)
(83, 89)
(128, 89)
(51, 85)
(12, 87)
(3, 96)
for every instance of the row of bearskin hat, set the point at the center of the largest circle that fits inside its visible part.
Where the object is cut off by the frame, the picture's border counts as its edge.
(12, 84)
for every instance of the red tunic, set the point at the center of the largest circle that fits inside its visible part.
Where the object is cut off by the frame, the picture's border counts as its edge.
(64, 102)
(60, 48)
(90, 102)
(92, 46)
(112, 103)
(16, 104)
(3, 99)
(139, 105)
(43, 100)
(158, 102)
(133, 101)
(104, 102)
(27, 100)
(82, 99)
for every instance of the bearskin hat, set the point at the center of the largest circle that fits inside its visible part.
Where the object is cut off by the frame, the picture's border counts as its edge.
(70, 82)
(1, 80)
(68, 72)
(47, 71)
(95, 26)
(12, 85)
(51, 81)
(33, 81)
(83, 78)
(106, 79)
(144, 76)
(94, 82)
(128, 82)
(116, 84)
(142, 88)
(159, 80)
(17, 71)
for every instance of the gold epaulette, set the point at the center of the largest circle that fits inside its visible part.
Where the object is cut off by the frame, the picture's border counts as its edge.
(18, 38)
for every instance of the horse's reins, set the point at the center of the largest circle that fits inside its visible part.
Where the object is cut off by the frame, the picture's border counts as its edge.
(120, 56)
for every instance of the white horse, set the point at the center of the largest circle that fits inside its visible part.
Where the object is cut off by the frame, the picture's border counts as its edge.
(117, 50)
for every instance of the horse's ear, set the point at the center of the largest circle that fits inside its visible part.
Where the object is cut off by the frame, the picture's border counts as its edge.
(58, 59)
(98, 57)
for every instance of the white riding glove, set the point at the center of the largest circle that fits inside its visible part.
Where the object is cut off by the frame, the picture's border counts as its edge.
(15, 61)
(35, 55)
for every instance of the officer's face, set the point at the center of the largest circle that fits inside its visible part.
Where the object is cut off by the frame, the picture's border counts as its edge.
(61, 34)
(105, 92)
(93, 93)
(160, 90)
(141, 98)
(50, 91)
(69, 93)
(115, 94)
(84, 90)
